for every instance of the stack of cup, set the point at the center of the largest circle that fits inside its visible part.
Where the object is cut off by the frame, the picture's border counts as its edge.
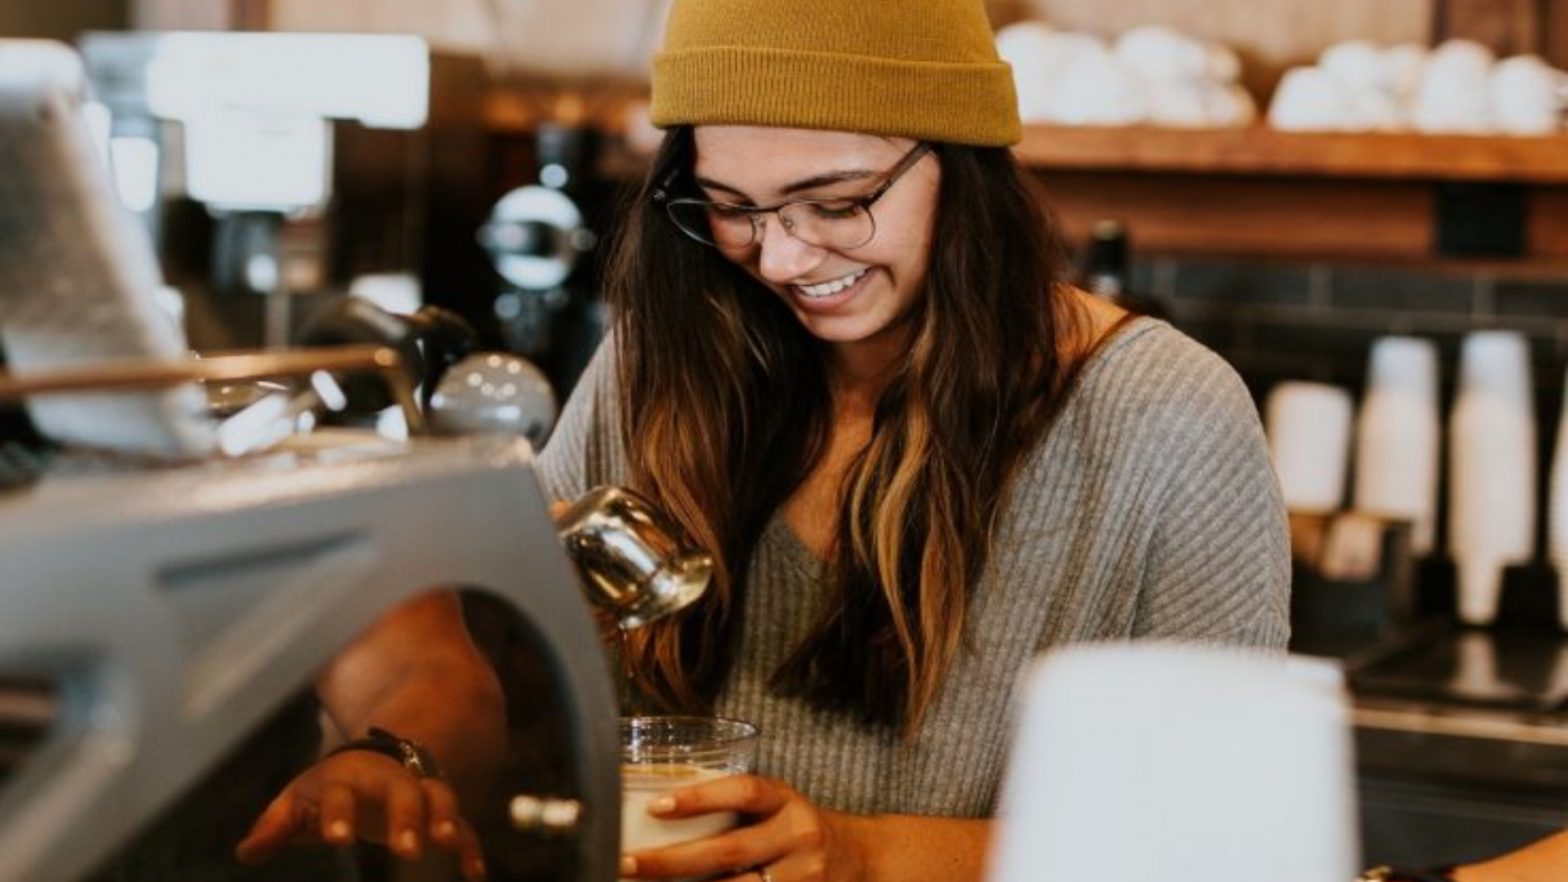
(1397, 436)
(1557, 531)
(1308, 427)
(1492, 469)
(1146, 761)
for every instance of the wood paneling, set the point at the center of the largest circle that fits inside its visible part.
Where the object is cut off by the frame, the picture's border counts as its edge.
(1556, 46)
(1262, 151)
(1271, 35)
(1510, 27)
(1253, 217)
(1291, 218)
(59, 21)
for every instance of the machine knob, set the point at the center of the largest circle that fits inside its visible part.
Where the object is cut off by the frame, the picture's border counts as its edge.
(545, 814)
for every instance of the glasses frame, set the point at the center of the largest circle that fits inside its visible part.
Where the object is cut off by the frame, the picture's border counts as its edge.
(757, 212)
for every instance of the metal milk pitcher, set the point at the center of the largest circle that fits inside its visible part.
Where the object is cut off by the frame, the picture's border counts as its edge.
(636, 561)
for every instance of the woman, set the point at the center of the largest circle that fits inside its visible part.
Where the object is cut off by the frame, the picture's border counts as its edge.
(844, 357)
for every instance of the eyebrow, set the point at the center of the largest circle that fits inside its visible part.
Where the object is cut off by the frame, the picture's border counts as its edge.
(810, 183)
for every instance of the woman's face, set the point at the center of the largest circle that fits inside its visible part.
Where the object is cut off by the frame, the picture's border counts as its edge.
(751, 165)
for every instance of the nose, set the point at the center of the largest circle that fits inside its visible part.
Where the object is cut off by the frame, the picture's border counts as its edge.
(782, 257)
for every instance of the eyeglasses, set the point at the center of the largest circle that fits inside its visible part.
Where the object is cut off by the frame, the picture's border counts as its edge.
(837, 224)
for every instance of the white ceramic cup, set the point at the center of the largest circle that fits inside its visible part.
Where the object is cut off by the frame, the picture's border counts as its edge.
(1308, 427)
(1454, 95)
(660, 754)
(1309, 100)
(1524, 98)
(1398, 433)
(1138, 762)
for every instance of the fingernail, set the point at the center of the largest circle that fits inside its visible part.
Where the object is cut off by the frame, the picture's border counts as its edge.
(476, 869)
(628, 866)
(339, 831)
(446, 829)
(408, 841)
(661, 804)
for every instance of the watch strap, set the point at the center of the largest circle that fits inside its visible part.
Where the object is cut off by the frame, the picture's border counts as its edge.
(413, 756)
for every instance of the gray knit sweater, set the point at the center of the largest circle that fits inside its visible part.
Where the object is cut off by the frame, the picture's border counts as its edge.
(1149, 510)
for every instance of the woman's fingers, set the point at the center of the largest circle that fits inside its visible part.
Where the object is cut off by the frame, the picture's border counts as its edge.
(470, 856)
(405, 816)
(748, 794)
(730, 852)
(790, 868)
(441, 808)
(271, 832)
(338, 815)
(366, 797)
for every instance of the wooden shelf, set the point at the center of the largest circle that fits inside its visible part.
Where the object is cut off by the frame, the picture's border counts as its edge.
(1259, 151)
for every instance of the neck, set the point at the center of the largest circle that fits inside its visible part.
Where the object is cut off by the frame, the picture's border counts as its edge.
(859, 372)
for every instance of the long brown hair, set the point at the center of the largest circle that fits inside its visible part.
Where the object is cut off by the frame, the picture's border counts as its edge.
(725, 410)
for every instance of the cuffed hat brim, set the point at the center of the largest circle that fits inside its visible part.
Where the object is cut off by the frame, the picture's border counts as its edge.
(959, 103)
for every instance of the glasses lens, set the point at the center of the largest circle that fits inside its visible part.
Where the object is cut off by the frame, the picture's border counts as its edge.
(836, 224)
(713, 223)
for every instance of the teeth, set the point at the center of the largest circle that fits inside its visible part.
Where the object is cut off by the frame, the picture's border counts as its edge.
(828, 289)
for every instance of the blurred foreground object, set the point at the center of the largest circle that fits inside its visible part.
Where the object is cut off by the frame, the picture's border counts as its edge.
(1135, 762)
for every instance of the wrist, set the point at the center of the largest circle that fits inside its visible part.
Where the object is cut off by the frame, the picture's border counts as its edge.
(854, 842)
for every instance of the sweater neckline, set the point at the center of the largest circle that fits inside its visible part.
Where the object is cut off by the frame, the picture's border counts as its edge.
(806, 562)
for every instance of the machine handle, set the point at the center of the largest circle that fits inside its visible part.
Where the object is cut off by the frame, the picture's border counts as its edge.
(238, 367)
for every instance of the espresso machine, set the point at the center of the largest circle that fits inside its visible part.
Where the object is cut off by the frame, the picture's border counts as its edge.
(187, 546)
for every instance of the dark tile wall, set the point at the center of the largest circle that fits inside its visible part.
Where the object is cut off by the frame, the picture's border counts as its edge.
(1277, 322)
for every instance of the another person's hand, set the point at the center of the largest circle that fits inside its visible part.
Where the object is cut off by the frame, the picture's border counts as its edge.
(360, 795)
(784, 837)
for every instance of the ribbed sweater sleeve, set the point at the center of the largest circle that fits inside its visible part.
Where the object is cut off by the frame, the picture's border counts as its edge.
(584, 450)
(1219, 561)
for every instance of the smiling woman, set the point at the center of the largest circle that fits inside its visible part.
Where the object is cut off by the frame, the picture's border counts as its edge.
(843, 356)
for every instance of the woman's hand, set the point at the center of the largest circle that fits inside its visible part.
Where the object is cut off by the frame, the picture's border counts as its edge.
(363, 795)
(785, 838)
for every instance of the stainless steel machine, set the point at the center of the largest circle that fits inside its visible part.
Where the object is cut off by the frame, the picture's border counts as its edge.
(181, 554)
(153, 620)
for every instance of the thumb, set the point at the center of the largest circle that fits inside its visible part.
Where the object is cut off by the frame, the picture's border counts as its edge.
(271, 832)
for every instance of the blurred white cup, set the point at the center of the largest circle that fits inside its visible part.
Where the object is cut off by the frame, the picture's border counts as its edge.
(1096, 89)
(1309, 100)
(1308, 426)
(1454, 96)
(1398, 434)
(1137, 762)
(1492, 468)
(1523, 96)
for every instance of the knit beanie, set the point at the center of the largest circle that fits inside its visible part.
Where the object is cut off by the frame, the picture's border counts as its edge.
(923, 69)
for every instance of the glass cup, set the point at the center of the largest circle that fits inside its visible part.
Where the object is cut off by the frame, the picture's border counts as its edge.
(667, 753)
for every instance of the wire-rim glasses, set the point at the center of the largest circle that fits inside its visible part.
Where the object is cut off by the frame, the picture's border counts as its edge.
(839, 223)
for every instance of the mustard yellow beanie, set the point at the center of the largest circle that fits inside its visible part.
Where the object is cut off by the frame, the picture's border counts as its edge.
(924, 69)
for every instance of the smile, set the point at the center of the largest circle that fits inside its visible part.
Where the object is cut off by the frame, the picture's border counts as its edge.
(828, 289)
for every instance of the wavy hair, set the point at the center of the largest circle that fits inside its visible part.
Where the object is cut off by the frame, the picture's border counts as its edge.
(726, 409)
